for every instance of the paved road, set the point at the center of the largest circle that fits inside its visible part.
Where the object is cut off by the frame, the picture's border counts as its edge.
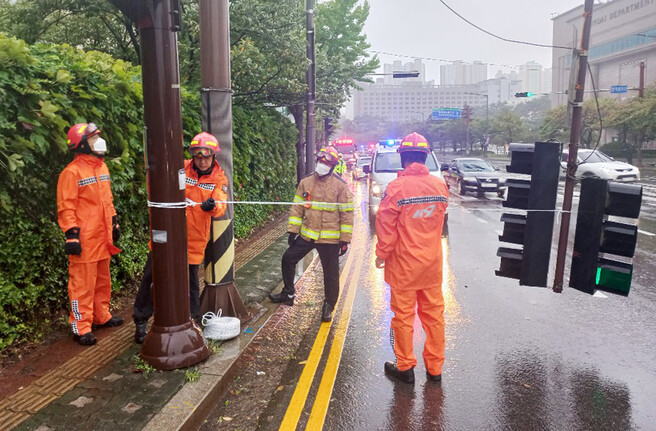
(518, 358)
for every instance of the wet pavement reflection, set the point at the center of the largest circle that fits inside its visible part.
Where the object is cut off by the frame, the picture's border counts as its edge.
(517, 358)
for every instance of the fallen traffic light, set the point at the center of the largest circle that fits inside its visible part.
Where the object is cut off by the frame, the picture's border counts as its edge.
(596, 237)
(533, 230)
(524, 94)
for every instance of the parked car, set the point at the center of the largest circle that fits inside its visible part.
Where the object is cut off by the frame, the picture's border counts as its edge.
(474, 175)
(358, 169)
(385, 166)
(595, 164)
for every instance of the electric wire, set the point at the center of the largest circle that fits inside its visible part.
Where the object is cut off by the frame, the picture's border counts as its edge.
(441, 60)
(499, 37)
(601, 125)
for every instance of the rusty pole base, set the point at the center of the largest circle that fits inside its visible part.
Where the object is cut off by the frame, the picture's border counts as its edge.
(172, 347)
(224, 297)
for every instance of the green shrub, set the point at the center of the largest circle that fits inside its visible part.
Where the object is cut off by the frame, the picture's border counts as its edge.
(43, 90)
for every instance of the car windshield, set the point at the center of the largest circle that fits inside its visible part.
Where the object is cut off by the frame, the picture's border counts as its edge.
(391, 162)
(474, 166)
(594, 157)
(363, 161)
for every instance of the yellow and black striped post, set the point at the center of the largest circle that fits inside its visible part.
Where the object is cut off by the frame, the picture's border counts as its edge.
(220, 291)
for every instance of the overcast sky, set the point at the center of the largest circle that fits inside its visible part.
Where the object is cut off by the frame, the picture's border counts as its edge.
(426, 28)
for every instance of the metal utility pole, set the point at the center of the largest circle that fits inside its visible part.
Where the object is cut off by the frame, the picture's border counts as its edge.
(220, 291)
(174, 341)
(310, 127)
(641, 85)
(575, 132)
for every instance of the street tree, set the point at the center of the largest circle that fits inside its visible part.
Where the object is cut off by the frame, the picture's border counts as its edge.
(507, 127)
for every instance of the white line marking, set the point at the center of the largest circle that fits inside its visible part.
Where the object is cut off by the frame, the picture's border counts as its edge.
(498, 232)
(598, 294)
(481, 220)
(644, 232)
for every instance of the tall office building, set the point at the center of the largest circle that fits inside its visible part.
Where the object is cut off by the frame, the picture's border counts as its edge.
(459, 73)
(623, 34)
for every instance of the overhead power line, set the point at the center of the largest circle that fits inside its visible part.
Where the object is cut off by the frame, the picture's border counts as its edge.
(436, 59)
(499, 37)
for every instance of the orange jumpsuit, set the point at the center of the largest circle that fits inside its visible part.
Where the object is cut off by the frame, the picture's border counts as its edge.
(409, 229)
(84, 200)
(214, 185)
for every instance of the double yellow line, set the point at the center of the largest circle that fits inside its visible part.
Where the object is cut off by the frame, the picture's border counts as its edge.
(299, 398)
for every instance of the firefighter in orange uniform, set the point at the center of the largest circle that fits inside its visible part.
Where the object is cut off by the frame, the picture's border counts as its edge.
(409, 228)
(321, 218)
(86, 215)
(206, 191)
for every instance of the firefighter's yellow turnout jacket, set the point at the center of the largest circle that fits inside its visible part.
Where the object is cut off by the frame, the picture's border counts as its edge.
(322, 210)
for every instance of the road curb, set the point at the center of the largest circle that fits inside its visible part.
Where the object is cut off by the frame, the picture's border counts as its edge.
(195, 401)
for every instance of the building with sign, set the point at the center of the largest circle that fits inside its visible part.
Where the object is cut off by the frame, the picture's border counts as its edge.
(623, 34)
(412, 102)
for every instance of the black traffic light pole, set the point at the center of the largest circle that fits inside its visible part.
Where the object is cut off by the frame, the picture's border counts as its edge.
(575, 132)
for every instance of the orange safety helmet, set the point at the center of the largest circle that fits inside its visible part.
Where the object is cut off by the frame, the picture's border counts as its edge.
(80, 132)
(329, 155)
(204, 144)
(414, 142)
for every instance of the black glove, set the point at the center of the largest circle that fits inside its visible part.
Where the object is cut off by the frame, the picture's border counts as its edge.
(116, 231)
(291, 238)
(208, 205)
(343, 246)
(73, 245)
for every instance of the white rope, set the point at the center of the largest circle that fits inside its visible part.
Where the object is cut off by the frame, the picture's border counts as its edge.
(191, 203)
(175, 205)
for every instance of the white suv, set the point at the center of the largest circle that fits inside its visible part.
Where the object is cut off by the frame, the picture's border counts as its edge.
(595, 164)
(384, 167)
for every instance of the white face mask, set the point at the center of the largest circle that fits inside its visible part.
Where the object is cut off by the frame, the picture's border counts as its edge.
(100, 146)
(322, 169)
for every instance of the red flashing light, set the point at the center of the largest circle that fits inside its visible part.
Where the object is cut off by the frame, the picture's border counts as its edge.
(344, 141)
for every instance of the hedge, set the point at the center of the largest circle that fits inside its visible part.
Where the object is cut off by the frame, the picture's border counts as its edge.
(43, 90)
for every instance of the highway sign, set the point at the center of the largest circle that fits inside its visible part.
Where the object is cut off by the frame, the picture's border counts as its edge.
(446, 114)
(618, 89)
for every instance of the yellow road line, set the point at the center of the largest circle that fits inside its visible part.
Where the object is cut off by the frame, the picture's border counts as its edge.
(321, 402)
(295, 408)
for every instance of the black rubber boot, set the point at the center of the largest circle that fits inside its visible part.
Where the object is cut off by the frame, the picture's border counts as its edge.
(87, 339)
(326, 312)
(112, 322)
(433, 378)
(282, 298)
(140, 331)
(407, 376)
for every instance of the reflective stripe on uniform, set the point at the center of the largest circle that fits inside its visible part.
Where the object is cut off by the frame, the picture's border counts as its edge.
(348, 206)
(346, 228)
(312, 234)
(330, 234)
(324, 206)
(421, 200)
(295, 221)
(297, 198)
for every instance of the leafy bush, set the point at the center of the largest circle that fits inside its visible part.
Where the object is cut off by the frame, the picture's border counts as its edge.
(43, 90)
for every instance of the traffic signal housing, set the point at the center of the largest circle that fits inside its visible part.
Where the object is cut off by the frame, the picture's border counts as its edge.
(524, 94)
(603, 248)
(533, 231)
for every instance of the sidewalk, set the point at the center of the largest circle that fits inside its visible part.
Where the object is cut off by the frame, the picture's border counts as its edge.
(108, 387)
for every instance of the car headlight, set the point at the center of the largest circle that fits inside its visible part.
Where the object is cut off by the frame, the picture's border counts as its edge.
(376, 190)
(469, 179)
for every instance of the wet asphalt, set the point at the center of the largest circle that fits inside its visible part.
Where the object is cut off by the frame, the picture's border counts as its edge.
(517, 358)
